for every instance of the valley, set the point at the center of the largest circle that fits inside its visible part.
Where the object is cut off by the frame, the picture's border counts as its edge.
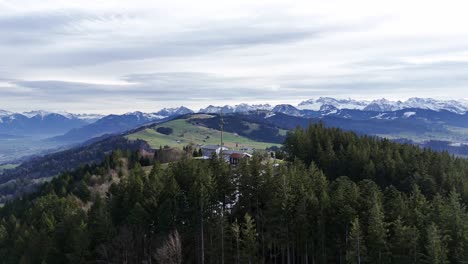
(20, 148)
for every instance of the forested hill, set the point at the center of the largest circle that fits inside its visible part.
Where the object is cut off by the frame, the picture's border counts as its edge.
(339, 198)
(385, 162)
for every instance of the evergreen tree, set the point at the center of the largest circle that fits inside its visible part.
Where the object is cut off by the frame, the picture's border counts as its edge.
(356, 252)
(376, 233)
(249, 240)
(436, 251)
(403, 243)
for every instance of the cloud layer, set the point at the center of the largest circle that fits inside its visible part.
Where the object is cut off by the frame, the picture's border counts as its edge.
(94, 56)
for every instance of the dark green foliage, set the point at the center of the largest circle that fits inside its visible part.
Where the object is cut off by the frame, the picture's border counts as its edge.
(81, 191)
(341, 199)
(386, 163)
(165, 130)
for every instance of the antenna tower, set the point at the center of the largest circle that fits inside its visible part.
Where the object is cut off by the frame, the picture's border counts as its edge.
(222, 128)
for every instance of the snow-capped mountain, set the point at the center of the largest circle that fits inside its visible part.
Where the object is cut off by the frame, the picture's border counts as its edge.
(38, 124)
(455, 106)
(316, 104)
(287, 109)
(50, 123)
(384, 105)
(328, 109)
(211, 109)
(90, 118)
(41, 113)
(167, 112)
(240, 108)
(332, 106)
(5, 113)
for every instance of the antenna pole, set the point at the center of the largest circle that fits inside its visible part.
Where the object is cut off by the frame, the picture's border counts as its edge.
(222, 128)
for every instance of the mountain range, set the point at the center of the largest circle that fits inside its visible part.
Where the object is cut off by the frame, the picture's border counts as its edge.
(382, 105)
(322, 104)
(422, 119)
(441, 130)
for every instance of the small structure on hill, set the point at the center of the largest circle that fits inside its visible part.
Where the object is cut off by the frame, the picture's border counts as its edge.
(231, 156)
(209, 150)
(234, 157)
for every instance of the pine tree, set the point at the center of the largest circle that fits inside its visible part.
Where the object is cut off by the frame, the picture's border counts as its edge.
(376, 233)
(456, 224)
(236, 231)
(436, 251)
(249, 240)
(403, 243)
(344, 203)
(356, 253)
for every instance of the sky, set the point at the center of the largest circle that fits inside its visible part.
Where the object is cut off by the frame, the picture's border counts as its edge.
(105, 56)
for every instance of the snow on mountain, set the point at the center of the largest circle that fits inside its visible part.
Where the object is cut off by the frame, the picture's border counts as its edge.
(315, 105)
(323, 106)
(240, 108)
(166, 112)
(328, 108)
(409, 114)
(267, 107)
(458, 107)
(4, 113)
(211, 109)
(287, 109)
(243, 108)
(85, 117)
(153, 116)
(161, 114)
(40, 113)
(140, 116)
(384, 105)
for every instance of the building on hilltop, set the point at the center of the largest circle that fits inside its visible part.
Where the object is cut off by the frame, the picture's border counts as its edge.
(209, 150)
(231, 156)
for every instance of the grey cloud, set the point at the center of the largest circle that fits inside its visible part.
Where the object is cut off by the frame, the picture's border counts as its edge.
(189, 88)
(37, 21)
(380, 76)
(92, 48)
(173, 86)
(32, 29)
(190, 43)
(385, 77)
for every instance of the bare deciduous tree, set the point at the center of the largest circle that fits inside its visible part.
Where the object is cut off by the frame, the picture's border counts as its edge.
(171, 251)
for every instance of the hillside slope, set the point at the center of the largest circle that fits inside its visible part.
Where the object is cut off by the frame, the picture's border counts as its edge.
(25, 177)
(203, 129)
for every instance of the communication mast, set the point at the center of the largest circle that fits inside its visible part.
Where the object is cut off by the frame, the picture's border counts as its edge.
(221, 124)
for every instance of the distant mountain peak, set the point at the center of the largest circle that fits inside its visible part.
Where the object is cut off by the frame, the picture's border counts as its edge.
(287, 109)
(240, 108)
(316, 104)
(181, 110)
(5, 113)
(40, 113)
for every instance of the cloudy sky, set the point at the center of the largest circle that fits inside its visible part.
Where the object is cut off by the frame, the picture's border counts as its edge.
(119, 56)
